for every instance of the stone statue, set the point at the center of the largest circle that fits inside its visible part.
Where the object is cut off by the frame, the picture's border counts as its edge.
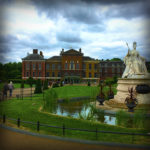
(135, 64)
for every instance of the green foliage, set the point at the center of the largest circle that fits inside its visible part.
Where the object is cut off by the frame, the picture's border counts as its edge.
(138, 120)
(45, 85)
(30, 81)
(109, 81)
(10, 71)
(61, 83)
(50, 101)
(115, 59)
(115, 79)
(89, 83)
(22, 84)
(75, 91)
(1, 86)
(29, 111)
(38, 87)
(55, 85)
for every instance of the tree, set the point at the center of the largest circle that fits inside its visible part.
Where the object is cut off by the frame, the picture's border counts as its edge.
(30, 81)
(45, 85)
(38, 86)
(115, 59)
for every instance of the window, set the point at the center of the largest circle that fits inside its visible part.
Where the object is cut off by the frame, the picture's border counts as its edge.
(27, 66)
(71, 65)
(90, 74)
(33, 66)
(39, 74)
(95, 75)
(39, 66)
(27, 74)
(84, 74)
(113, 70)
(53, 66)
(59, 67)
(53, 74)
(95, 66)
(90, 66)
(77, 65)
(118, 70)
(33, 74)
(58, 74)
(66, 66)
(47, 74)
(84, 66)
(47, 67)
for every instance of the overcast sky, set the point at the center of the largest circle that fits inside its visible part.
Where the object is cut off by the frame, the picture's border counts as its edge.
(100, 29)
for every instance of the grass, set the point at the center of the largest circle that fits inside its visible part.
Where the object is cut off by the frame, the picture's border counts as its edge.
(17, 85)
(66, 92)
(29, 110)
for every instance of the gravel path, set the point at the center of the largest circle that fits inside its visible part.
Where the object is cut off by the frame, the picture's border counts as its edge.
(10, 140)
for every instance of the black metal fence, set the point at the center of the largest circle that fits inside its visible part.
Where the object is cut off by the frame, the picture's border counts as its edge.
(38, 124)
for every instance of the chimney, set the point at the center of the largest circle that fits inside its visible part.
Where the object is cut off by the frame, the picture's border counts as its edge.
(62, 50)
(41, 53)
(35, 51)
(80, 50)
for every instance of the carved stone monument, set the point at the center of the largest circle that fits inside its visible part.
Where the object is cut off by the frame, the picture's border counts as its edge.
(134, 74)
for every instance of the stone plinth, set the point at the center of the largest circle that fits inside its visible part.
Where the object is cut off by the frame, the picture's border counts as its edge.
(122, 90)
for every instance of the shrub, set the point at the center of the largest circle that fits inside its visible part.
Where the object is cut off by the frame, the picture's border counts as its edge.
(15, 80)
(61, 83)
(55, 85)
(50, 101)
(45, 85)
(22, 84)
(30, 81)
(89, 83)
(38, 87)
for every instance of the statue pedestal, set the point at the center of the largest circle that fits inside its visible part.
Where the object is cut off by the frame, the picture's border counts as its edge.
(122, 90)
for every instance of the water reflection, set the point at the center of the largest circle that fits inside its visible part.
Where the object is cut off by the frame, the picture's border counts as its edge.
(84, 110)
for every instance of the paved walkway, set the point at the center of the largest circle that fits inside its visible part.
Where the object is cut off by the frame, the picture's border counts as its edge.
(10, 140)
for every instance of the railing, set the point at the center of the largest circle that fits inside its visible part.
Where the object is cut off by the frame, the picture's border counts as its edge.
(64, 128)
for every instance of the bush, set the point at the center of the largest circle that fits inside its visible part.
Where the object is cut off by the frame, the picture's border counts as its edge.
(89, 84)
(61, 83)
(30, 81)
(38, 86)
(15, 80)
(55, 85)
(45, 85)
(109, 81)
(50, 101)
(22, 84)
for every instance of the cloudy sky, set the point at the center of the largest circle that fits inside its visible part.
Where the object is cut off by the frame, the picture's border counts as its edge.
(100, 29)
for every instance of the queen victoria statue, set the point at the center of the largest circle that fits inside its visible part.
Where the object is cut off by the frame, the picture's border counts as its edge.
(134, 74)
(135, 64)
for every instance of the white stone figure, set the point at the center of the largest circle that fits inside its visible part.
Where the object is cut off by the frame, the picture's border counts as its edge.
(135, 64)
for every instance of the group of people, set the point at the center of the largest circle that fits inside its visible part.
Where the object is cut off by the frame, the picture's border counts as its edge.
(8, 87)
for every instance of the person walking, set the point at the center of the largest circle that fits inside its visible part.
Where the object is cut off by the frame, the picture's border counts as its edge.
(5, 89)
(11, 87)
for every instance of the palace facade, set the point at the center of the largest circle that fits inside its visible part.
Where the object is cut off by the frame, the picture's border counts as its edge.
(70, 65)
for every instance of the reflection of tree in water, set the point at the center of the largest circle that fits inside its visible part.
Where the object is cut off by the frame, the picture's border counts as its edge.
(72, 107)
(100, 116)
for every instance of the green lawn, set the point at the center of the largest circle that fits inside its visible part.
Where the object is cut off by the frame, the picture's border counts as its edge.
(76, 91)
(28, 110)
(18, 85)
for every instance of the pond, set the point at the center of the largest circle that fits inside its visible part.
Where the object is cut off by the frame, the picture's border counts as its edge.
(86, 110)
